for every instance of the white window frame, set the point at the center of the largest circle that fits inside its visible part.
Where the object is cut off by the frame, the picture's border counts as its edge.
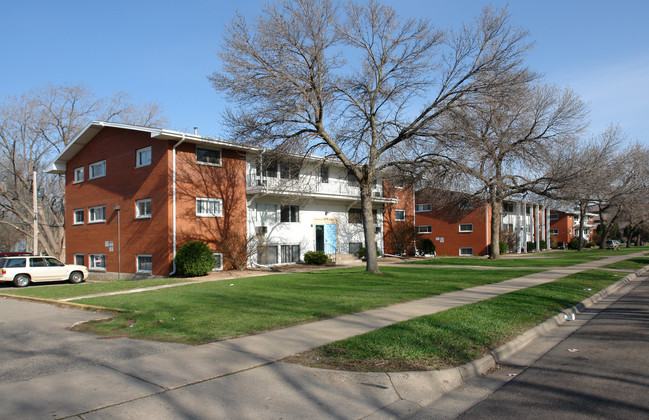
(143, 157)
(83, 259)
(218, 267)
(426, 229)
(78, 212)
(94, 258)
(470, 225)
(403, 215)
(138, 209)
(78, 175)
(93, 167)
(554, 231)
(137, 263)
(465, 254)
(92, 218)
(423, 207)
(217, 201)
(201, 162)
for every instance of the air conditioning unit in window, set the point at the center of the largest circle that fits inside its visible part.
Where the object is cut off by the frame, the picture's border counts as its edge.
(261, 230)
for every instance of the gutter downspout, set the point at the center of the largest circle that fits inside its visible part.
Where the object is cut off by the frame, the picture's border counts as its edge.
(173, 204)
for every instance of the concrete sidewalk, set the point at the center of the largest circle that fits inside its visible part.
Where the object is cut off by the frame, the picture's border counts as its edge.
(239, 378)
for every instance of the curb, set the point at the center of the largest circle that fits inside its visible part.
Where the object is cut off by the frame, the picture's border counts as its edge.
(418, 389)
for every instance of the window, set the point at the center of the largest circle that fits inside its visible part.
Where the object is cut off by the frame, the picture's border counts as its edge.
(78, 217)
(144, 263)
(356, 216)
(424, 229)
(324, 174)
(97, 261)
(97, 214)
(354, 247)
(290, 213)
(554, 231)
(466, 251)
(289, 170)
(271, 170)
(267, 255)
(143, 157)
(78, 175)
(400, 215)
(554, 216)
(97, 170)
(508, 207)
(266, 214)
(218, 261)
(466, 227)
(423, 207)
(351, 179)
(79, 259)
(398, 184)
(508, 227)
(143, 208)
(209, 207)
(208, 156)
(290, 253)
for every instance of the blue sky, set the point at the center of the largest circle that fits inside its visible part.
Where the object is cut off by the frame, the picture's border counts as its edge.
(163, 50)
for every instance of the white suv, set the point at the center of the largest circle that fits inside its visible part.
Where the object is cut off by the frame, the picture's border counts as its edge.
(23, 270)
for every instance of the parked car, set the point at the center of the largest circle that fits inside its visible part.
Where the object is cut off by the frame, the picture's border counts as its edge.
(612, 244)
(23, 270)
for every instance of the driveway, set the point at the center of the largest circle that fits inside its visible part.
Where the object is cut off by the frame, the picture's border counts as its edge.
(35, 342)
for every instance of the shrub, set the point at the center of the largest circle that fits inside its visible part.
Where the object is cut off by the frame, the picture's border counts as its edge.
(194, 259)
(504, 248)
(591, 244)
(531, 246)
(426, 246)
(362, 253)
(316, 258)
(573, 244)
(544, 244)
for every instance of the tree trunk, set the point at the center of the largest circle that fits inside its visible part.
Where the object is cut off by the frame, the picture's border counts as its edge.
(372, 265)
(496, 215)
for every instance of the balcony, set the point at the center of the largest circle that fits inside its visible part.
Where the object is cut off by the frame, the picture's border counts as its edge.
(304, 186)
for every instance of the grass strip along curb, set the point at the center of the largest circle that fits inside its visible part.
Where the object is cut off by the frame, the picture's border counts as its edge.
(417, 389)
(462, 334)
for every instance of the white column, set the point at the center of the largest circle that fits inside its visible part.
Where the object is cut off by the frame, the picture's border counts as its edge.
(518, 228)
(524, 227)
(547, 226)
(542, 218)
(537, 224)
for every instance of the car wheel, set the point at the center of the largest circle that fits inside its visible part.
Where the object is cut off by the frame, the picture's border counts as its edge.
(21, 280)
(76, 277)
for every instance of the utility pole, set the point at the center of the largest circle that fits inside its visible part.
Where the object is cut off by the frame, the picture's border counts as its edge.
(35, 188)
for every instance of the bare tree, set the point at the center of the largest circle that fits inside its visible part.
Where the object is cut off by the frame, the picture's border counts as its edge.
(294, 89)
(34, 127)
(502, 144)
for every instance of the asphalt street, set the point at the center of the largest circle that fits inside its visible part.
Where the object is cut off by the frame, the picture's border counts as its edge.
(600, 371)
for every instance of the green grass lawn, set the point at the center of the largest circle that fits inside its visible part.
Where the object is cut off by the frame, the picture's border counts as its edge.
(212, 311)
(545, 261)
(62, 291)
(458, 335)
(562, 258)
(630, 264)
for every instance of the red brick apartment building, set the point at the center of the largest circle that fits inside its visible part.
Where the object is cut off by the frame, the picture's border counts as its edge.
(564, 225)
(134, 195)
(459, 226)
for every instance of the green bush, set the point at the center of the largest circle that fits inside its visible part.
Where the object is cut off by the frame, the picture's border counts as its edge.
(573, 244)
(544, 244)
(426, 246)
(504, 248)
(591, 245)
(316, 258)
(194, 259)
(362, 253)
